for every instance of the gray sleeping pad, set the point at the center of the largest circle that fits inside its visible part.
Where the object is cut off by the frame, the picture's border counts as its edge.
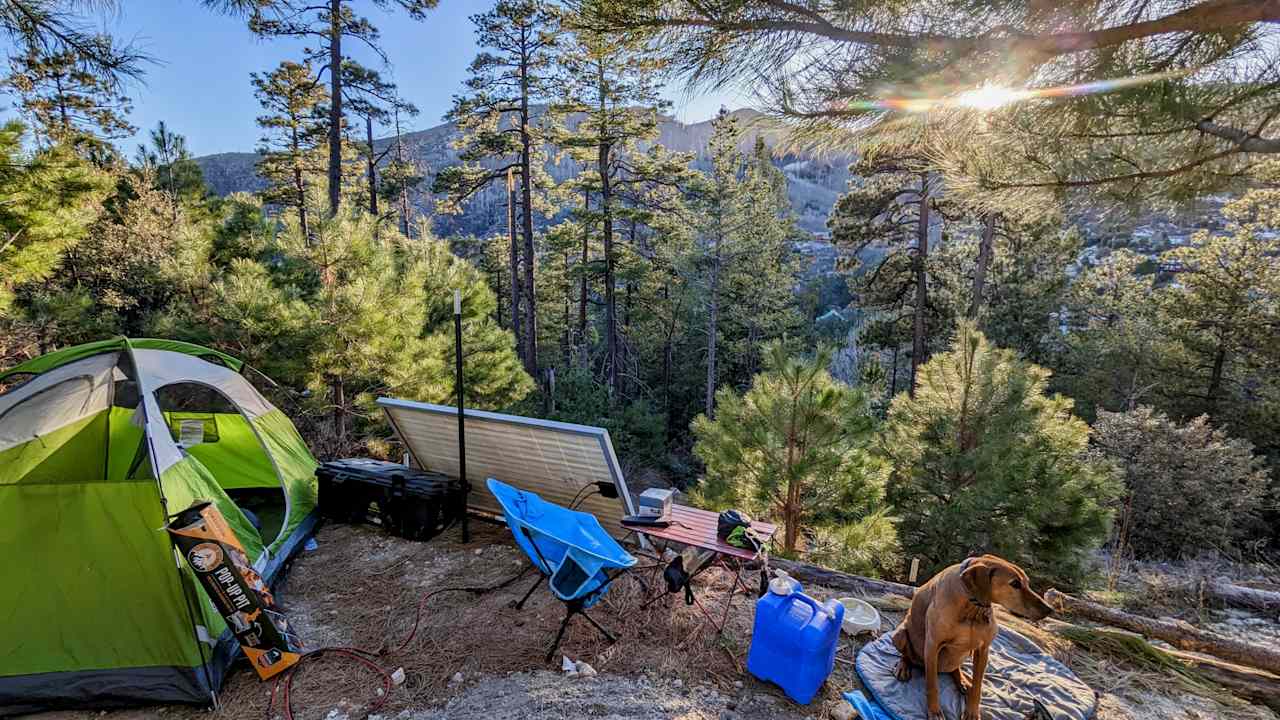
(1018, 673)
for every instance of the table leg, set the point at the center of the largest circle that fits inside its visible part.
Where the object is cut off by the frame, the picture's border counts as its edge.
(653, 590)
(733, 587)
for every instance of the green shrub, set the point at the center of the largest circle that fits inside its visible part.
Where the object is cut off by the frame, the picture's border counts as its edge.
(794, 447)
(637, 432)
(984, 461)
(867, 546)
(1189, 488)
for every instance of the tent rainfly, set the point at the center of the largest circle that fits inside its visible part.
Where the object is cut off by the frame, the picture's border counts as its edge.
(556, 460)
(98, 443)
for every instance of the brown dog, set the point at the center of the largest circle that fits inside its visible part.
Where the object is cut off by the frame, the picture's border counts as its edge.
(951, 618)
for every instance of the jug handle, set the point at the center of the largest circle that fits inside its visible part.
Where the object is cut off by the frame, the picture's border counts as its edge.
(809, 601)
(817, 607)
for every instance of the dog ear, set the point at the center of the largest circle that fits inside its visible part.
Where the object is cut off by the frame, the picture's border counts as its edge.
(977, 580)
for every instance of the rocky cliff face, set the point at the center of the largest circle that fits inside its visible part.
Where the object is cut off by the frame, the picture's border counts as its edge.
(814, 184)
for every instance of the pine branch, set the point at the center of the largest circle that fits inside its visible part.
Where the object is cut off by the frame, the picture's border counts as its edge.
(1245, 141)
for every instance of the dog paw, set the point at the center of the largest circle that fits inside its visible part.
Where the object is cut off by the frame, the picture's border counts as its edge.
(975, 714)
(903, 671)
(937, 715)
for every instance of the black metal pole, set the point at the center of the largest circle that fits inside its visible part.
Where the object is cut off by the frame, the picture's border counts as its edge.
(462, 433)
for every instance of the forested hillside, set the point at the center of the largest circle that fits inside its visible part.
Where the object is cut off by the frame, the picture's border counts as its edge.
(813, 184)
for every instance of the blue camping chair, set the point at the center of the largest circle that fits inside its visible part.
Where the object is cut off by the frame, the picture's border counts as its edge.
(569, 548)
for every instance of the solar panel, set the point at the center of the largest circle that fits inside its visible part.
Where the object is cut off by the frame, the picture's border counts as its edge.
(553, 459)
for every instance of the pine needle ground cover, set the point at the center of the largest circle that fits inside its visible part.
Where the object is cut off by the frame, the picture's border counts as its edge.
(360, 585)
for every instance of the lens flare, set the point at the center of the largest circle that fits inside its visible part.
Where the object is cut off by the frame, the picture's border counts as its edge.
(989, 96)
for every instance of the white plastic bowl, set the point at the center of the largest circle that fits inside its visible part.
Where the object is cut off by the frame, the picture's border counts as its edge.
(859, 616)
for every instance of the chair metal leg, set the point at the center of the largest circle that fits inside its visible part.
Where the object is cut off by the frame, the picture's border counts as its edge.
(519, 604)
(564, 624)
(607, 635)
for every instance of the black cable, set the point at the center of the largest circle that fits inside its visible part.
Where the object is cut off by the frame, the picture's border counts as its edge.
(579, 497)
(577, 502)
(604, 489)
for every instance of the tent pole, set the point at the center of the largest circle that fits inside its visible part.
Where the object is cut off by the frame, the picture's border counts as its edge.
(462, 435)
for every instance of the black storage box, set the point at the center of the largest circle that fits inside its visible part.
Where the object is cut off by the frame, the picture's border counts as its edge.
(414, 504)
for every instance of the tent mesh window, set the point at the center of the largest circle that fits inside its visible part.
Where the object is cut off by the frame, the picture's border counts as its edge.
(191, 411)
(197, 415)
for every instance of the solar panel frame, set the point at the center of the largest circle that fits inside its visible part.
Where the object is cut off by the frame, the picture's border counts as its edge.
(520, 451)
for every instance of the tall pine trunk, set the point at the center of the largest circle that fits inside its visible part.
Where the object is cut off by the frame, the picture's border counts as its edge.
(625, 334)
(610, 301)
(582, 280)
(667, 361)
(713, 320)
(514, 263)
(986, 248)
(566, 337)
(339, 391)
(300, 186)
(404, 186)
(893, 378)
(526, 190)
(335, 106)
(922, 284)
(371, 169)
(498, 294)
(63, 114)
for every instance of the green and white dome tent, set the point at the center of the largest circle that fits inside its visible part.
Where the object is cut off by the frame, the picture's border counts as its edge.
(98, 443)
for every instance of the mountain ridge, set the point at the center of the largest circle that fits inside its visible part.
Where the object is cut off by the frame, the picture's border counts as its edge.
(812, 184)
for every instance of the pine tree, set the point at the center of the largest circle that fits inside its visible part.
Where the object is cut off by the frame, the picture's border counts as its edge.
(721, 206)
(375, 101)
(1164, 104)
(558, 285)
(1116, 344)
(656, 267)
(762, 269)
(985, 461)
(141, 257)
(67, 102)
(501, 132)
(491, 259)
(328, 23)
(1173, 508)
(58, 28)
(1023, 287)
(51, 197)
(1224, 313)
(889, 211)
(610, 90)
(294, 129)
(356, 312)
(175, 171)
(402, 177)
(791, 446)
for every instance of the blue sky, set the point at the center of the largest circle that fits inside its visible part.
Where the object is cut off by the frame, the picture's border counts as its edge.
(200, 83)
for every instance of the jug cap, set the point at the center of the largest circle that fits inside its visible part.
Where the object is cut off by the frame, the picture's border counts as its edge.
(782, 586)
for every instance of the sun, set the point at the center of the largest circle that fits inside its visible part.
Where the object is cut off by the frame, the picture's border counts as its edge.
(989, 97)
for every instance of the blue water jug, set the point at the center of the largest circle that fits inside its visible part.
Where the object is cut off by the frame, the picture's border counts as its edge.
(793, 643)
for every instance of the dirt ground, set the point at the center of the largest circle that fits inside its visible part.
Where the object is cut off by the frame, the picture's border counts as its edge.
(474, 656)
